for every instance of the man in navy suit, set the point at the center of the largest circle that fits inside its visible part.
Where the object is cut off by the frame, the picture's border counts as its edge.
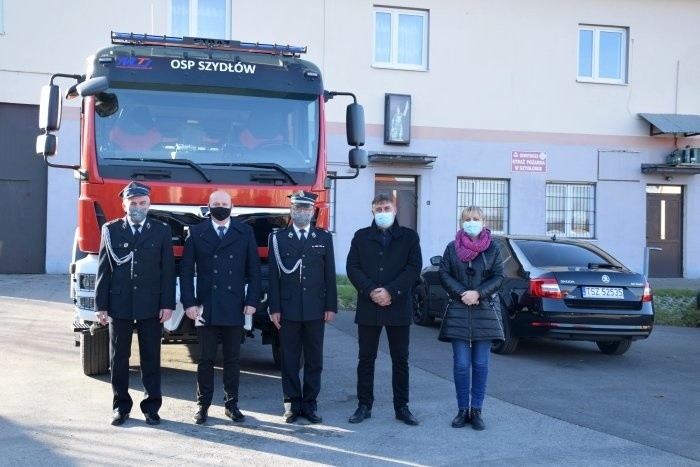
(135, 289)
(302, 298)
(224, 254)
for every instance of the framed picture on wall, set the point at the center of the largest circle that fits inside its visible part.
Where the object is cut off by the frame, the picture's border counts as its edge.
(397, 118)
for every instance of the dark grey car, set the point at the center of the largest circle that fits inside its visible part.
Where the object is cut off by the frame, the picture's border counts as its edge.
(557, 288)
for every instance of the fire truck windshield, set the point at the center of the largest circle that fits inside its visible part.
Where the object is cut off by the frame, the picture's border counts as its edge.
(233, 138)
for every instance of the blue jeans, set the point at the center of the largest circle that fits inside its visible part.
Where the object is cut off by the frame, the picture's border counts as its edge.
(471, 365)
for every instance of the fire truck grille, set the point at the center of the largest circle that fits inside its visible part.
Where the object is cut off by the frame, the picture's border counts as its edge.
(86, 281)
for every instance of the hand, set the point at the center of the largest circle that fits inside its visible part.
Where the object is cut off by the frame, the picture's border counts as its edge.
(102, 317)
(328, 316)
(165, 314)
(380, 296)
(470, 297)
(275, 318)
(249, 310)
(192, 312)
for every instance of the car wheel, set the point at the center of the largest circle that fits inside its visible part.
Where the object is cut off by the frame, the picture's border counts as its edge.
(421, 314)
(615, 347)
(507, 346)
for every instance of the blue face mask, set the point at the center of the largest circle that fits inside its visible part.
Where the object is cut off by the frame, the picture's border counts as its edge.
(473, 228)
(384, 219)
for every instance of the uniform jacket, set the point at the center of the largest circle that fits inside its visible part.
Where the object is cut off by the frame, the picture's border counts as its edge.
(396, 268)
(308, 292)
(223, 269)
(152, 286)
(474, 322)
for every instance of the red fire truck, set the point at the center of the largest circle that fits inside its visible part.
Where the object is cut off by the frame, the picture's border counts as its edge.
(186, 116)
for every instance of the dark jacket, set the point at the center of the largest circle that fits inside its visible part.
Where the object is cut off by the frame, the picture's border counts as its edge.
(395, 267)
(309, 291)
(223, 268)
(152, 285)
(474, 322)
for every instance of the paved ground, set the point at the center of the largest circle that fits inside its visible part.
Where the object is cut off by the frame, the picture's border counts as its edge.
(52, 414)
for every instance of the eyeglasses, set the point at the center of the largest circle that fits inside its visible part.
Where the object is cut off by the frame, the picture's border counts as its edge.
(302, 207)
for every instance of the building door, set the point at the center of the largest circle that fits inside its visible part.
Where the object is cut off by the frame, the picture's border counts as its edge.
(23, 178)
(664, 230)
(403, 189)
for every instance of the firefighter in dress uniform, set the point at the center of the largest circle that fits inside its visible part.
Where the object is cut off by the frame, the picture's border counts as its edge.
(302, 298)
(135, 289)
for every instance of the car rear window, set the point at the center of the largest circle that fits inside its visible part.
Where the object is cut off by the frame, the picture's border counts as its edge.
(545, 255)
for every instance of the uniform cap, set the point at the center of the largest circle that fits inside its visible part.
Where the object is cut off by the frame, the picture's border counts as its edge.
(303, 197)
(135, 189)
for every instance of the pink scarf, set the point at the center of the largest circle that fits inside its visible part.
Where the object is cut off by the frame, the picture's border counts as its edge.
(468, 249)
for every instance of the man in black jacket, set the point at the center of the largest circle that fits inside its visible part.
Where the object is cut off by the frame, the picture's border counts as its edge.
(135, 289)
(383, 264)
(225, 256)
(302, 298)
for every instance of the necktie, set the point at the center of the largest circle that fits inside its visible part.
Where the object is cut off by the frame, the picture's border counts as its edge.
(302, 236)
(137, 232)
(221, 232)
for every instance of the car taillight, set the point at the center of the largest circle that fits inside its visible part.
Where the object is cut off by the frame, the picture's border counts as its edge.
(545, 288)
(647, 296)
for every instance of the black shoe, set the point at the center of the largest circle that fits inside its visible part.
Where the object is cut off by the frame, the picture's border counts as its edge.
(461, 419)
(119, 417)
(476, 420)
(360, 414)
(234, 414)
(290, 416)
(201, 415)
(312, 416)
(152, 418)
(406, 416)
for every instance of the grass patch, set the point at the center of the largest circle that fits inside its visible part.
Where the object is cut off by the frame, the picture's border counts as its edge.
(347, 295)
(676, 307)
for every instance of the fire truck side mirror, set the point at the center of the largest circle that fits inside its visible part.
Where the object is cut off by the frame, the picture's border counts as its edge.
(355, 125)
(50, 108)
(357, 158)
(92, 86)
(46, 144)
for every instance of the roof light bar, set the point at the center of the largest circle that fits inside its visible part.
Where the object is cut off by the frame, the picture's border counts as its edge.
(130, 38)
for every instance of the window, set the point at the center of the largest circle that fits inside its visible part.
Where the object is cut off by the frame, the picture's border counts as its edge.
(331, 202)
(400, 39)
(602, 54)
(490, 195)
(571, 210)
(2, 17)
(201, 18)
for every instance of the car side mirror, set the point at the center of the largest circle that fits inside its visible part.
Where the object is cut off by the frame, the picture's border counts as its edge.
(435, 260)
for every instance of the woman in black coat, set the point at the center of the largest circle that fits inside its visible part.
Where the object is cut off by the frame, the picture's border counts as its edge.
(471, 271)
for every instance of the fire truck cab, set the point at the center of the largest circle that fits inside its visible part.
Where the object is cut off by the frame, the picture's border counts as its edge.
(187, 116)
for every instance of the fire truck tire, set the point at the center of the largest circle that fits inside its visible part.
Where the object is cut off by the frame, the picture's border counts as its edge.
(94, 352)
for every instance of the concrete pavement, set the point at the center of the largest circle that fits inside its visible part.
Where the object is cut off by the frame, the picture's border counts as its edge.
(64, 420)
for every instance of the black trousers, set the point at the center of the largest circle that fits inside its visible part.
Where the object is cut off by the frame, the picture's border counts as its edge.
(209, 338)
(149, 334)
(297, 337)
(368, 339)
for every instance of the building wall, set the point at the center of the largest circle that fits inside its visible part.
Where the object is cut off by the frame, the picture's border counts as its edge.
(501, 77)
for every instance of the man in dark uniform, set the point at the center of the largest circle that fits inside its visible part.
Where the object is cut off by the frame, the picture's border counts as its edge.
(383, 264)
(135, 289)
(302, 298)
(225, 256)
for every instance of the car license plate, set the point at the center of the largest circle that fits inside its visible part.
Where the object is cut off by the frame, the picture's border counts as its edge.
(603, 292)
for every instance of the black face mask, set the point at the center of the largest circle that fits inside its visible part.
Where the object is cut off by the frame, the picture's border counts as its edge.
(220, 213)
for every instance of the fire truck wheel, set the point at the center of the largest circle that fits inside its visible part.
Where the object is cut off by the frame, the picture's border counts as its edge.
(94, 352)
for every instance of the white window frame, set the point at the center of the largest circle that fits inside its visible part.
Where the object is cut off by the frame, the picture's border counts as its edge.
(480, 192)
(595, 59)
(394, 52)
(566, 206)
(193, 28)
(331, 202)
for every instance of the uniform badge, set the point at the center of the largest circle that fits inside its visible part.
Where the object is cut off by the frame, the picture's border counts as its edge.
(290, 235)
(313, 234)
